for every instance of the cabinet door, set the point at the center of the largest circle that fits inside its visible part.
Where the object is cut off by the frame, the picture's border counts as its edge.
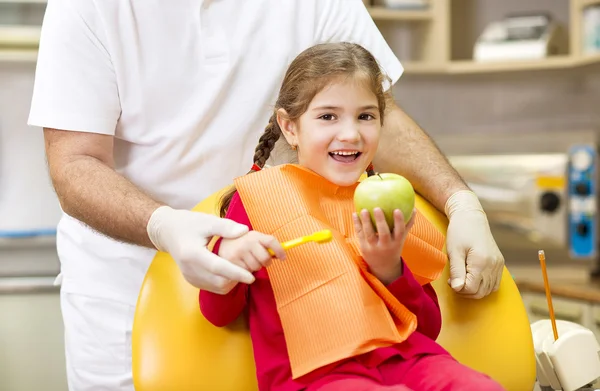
(31, 342)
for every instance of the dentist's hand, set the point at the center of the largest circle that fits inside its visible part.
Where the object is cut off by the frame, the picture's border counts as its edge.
(184, 234)
(476, 263)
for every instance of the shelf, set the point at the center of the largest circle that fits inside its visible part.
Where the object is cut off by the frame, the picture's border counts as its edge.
(18, 55)
(24, 1)
(585, 3)
(417, 67)
(382, 13)
(20, 285)
(447, 35)
(19, 37)
(556, 62)
(473, 67)
(28, 242)
(589, 59)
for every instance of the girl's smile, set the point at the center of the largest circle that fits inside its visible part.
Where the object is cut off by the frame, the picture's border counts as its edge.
(345, 156)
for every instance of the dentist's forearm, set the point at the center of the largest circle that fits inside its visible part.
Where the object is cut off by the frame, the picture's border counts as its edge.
(407, 150)
(90, 190)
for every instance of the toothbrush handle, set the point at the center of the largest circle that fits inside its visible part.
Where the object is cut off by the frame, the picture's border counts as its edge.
(291, 243)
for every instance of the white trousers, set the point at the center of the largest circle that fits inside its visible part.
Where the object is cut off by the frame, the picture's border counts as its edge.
(97, 343)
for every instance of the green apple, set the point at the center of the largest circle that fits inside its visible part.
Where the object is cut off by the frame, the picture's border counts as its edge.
(387, 191)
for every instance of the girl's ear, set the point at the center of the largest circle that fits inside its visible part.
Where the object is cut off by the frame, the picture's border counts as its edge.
(288, 127)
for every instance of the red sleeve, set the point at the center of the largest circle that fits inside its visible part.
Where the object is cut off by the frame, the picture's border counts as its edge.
(419, 299)
(220, 310)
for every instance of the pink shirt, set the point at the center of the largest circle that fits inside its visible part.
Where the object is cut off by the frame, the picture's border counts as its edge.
(270, 352)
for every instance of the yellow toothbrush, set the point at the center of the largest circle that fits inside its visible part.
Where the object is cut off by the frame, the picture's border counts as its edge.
(319, 237)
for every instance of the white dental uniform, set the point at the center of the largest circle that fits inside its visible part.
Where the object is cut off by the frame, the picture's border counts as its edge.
(186, 88)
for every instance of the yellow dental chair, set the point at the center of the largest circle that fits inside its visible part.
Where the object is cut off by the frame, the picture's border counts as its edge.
(176, 349)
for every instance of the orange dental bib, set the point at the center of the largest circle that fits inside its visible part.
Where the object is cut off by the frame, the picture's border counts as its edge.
(330, 306)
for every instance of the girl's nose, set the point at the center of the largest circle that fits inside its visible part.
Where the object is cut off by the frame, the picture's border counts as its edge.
(349, 132)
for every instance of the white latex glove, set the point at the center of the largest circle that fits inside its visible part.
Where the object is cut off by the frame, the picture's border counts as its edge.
(476, 263)
(184, 235)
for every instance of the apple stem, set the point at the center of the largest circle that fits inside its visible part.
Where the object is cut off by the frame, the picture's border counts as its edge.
(379, 176)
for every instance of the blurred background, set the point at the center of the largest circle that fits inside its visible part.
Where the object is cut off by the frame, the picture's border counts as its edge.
(509, 90)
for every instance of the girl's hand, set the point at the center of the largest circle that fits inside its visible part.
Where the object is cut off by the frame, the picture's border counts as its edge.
(250, 251)
(382, 250)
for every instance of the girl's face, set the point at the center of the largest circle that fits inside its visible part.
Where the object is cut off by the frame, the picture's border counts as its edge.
(338, 135)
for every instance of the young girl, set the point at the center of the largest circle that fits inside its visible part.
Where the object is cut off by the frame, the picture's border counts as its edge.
(343, 315)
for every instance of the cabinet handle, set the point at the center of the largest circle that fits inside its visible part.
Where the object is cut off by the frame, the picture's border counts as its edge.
(571, 314)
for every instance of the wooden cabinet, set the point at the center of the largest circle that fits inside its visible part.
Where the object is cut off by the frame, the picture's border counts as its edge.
(440, 39)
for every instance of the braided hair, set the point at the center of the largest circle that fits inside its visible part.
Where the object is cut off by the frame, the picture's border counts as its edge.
(266, 142)
(262, 152)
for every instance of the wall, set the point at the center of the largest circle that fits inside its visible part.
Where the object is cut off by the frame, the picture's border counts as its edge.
(557, 100)
(27, 200)
(23, 176)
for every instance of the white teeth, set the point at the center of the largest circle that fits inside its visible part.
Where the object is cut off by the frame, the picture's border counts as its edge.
(344, 153)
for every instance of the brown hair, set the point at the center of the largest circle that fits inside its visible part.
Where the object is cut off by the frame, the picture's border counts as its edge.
(308, 74)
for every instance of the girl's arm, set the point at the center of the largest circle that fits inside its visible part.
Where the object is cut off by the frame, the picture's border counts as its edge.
(221, 310)
(419, 299)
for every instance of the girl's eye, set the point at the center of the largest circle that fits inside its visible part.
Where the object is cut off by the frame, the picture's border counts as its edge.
(366, 117)
(327, 117)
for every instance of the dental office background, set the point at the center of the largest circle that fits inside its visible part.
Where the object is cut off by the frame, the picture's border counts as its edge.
(466, 99)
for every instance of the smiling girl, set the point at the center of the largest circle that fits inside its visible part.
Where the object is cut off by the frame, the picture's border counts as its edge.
(348, 314)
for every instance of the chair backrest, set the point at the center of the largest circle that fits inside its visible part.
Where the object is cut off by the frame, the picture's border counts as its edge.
(175, 348)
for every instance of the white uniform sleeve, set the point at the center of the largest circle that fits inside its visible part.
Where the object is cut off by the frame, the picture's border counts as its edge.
(349, 21)
(75, 84)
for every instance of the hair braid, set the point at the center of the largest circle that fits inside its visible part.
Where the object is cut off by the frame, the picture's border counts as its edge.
(263, 150)
(266, 142)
